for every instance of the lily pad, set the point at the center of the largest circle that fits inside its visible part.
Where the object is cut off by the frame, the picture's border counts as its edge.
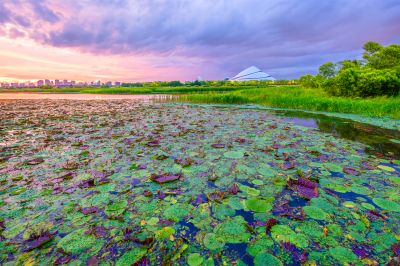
(212, 242)
(263, 259)
(387, 204)
(258, 205)
(76, 242)
(234, 154)
(195, 259)
(131, 257)
(315, 212)
(386, 168)
(232, 231)
(342, 255)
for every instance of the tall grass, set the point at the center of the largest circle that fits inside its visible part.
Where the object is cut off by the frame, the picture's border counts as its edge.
(160, 90)
(306, 99)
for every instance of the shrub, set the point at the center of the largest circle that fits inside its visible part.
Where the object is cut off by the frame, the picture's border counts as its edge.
(364, 82)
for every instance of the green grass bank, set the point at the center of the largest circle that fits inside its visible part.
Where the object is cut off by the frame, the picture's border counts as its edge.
(292, 97)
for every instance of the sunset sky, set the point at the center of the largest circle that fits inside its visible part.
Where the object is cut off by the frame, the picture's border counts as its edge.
(143, 40)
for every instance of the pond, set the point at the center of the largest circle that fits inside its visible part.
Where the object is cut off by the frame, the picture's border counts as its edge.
(123, 181)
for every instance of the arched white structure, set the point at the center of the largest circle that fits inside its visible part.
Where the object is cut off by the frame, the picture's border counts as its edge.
(252, 73)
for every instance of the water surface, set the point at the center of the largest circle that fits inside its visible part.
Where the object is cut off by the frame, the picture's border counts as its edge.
(83, 182)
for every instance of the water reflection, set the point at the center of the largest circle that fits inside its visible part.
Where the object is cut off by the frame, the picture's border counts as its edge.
(378, 139)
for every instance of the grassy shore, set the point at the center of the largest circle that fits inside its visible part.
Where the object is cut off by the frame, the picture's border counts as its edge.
(291, 97)
(298, 98)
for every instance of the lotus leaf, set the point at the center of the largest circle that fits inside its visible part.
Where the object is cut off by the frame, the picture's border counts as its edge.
(342, 255)
(263, 259)
(195, 259)
(212, 242)
(116, 208)
(387, 204)
(315, 212)
(165, 232)
(249, 190)
(233, 154)
(131, 257)
(232, 231)
(76, 242)
(386, 168)
(177, 211)
(258, 205)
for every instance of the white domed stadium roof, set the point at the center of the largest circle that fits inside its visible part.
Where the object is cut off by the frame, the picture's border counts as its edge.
(252, 73)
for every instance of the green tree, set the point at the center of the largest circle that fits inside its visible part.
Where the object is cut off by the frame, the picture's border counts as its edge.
(386, 57)
(328, 70)
(346, 64)
(371, 48)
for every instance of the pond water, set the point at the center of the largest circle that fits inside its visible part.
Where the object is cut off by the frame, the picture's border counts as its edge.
(134, 180)
(81, 96)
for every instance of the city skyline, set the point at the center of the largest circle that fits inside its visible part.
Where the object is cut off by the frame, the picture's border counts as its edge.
(57, 83)
(132, 41)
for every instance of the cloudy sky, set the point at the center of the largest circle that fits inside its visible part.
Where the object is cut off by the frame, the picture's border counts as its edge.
(141, 40)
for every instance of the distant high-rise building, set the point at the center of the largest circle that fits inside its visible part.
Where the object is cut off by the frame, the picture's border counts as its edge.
(109, 83)
(57, 83)
(73, 83)
(14, 85)
(117, 83)
(47, 82)
(40, 83)
(65, 82)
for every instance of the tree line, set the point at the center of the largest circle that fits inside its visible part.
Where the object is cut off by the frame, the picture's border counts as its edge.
(378, 73)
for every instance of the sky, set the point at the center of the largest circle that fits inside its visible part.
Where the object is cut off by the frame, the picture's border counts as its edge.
(147, 40)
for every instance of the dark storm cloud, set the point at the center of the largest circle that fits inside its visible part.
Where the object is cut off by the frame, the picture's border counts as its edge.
(285, 37)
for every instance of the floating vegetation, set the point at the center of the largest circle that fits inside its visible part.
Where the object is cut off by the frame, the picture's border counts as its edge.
(120, 182)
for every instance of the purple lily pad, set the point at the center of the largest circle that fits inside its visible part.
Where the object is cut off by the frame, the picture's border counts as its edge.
(396, 249)
(270, 223)
(360, 251)
(35, 161)
(62, 260)
(89, 210)
(234, 189)
(38, 241)
(367, 166)
(304, 187)
(153, 143)
(92, 261)
(349, 170)
(218, 145)
(288, 165)
(165, 178)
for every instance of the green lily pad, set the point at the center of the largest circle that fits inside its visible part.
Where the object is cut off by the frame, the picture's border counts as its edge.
(76, 242)
(259, 246)
(263, 259)
(212, 242)
(177, 211)
(232, 231)
(195, 259)
(165, 232)
(131, 257)
(386, 168)
(116, 208)
(249, 190)
(258, 205)
(234, 154)
(387, 204)
(343, 255)
(315, 212)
